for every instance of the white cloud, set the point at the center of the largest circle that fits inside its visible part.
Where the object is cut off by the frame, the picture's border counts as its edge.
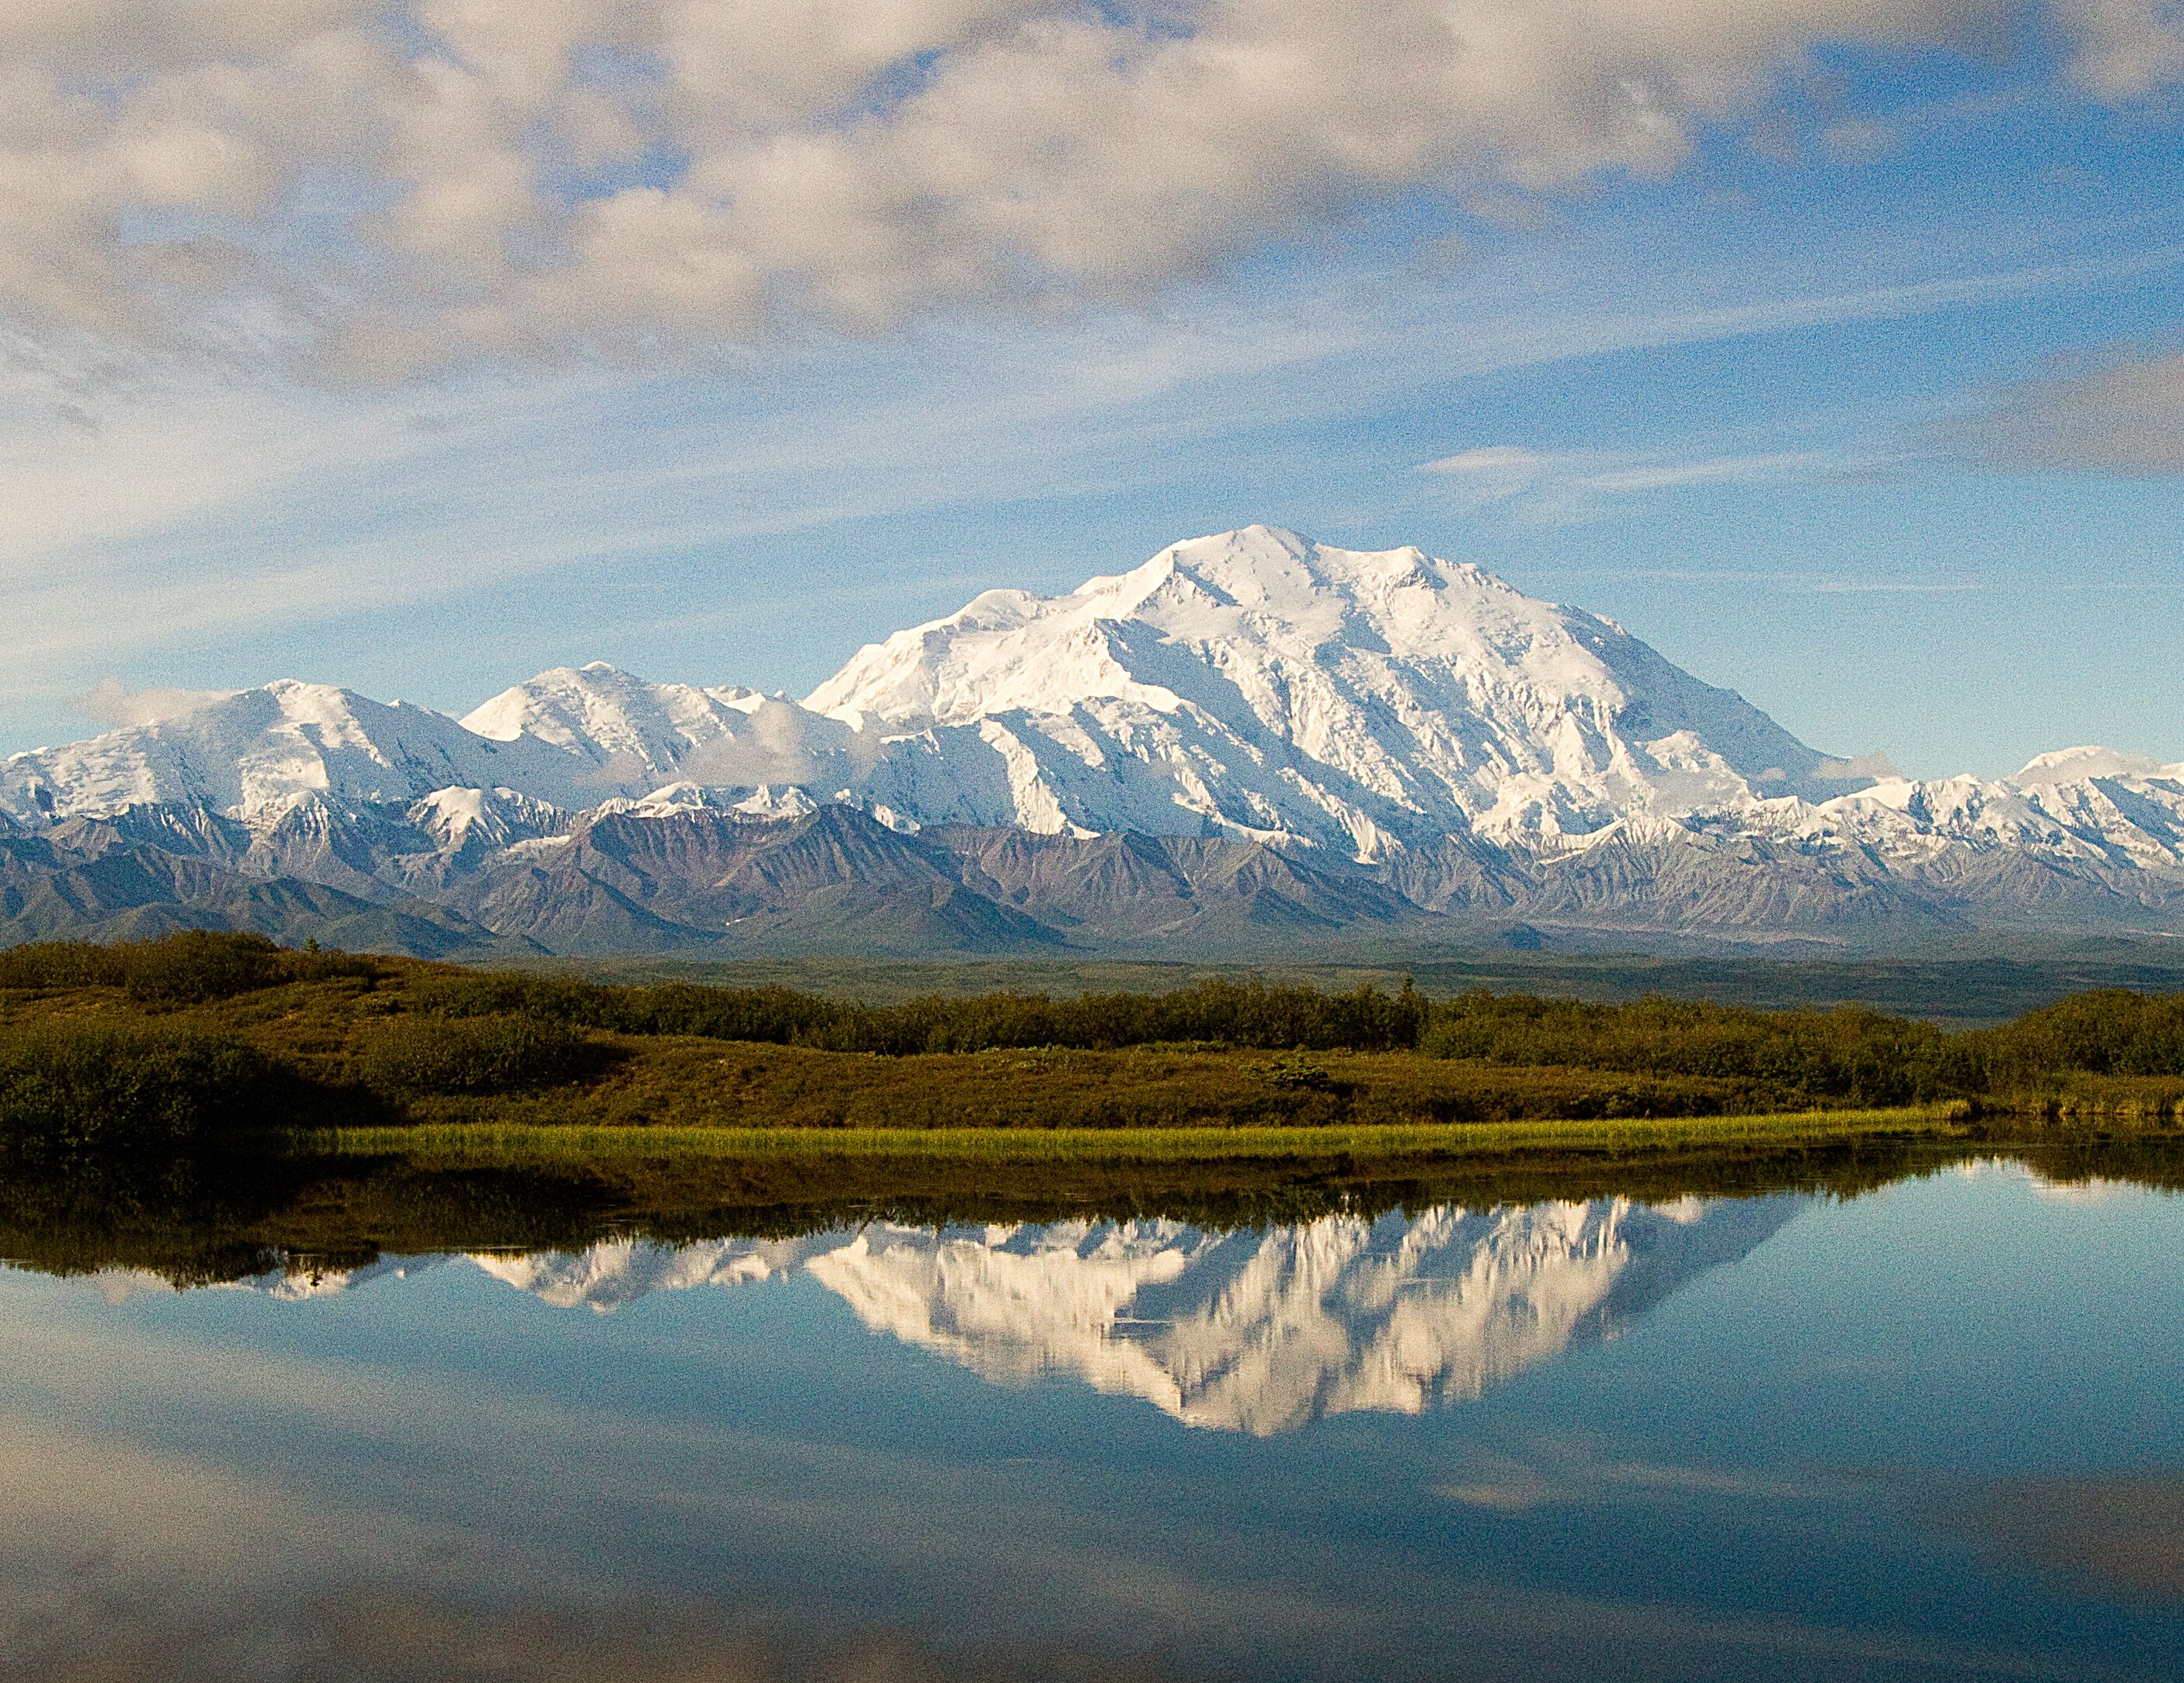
(129, 468)
(1874, 767)
(2125, 47)
(112, 703)
(397, 183)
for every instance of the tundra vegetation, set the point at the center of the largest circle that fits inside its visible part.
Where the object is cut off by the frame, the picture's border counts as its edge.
(203, 1035)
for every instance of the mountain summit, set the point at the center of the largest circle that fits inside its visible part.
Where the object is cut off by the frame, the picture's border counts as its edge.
(1257, 684)
(1250, 736)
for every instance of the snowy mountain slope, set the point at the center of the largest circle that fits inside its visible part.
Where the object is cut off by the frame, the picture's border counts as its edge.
(2078, 764)
(619, 1271)
(636, 737)
(258, 752)
(1258, 683)
(290, 755)
(2131, 821)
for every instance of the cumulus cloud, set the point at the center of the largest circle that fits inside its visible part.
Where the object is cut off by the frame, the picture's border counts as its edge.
(2127, 417)
(784, 745)
(2125, 47)
(398, 183)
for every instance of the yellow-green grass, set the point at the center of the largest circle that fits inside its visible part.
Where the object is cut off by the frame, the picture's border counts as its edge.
(499, 1144)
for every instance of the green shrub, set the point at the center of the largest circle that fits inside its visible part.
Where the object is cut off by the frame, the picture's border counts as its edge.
(61, 964)
(777, 1016)
(2108, 1032)
(1215, 1012)
(1224, 1013)
(1299, 1070)
(70, 1088)
(499, 993)
(479, 1032)
(197, 965)
(406, 1057)
(1852, 1054)
(189, 967)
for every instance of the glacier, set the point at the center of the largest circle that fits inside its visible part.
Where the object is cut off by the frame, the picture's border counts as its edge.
(1249, 735)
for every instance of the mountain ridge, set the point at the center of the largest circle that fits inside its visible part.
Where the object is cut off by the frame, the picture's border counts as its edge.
(1301, 738)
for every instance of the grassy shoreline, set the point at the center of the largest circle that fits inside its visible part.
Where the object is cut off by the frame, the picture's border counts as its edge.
(174, 1047)
(327, 1200)
(498, 1143)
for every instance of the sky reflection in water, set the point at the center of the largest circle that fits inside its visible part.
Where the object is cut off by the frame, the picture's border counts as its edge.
(1934, 1431)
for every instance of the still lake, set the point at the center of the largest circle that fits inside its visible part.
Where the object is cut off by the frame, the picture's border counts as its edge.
(1933, 1430)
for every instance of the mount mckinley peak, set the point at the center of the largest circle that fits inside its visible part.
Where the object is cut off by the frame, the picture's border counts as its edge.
(1297, 736)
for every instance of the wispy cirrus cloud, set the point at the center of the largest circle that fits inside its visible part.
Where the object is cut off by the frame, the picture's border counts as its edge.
(188, 508)
(1581, 484)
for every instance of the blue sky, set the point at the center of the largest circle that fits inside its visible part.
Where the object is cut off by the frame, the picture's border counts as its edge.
(1859, 393)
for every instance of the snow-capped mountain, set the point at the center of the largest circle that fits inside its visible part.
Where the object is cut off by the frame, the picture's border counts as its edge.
(258, 752)
(1256, 1331)
(636, 738)
(1295, 736)
(1259, 684)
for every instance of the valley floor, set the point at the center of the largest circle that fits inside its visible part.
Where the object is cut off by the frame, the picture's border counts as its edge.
(199, 1037)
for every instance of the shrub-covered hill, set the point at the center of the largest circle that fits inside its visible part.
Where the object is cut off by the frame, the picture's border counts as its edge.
(199, 1035)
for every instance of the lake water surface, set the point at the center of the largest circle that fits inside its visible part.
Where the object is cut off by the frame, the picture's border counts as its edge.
(1934, 1430)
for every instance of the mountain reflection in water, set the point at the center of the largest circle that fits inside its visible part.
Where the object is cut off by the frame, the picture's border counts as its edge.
(1253, 1330)
(1926, 1430)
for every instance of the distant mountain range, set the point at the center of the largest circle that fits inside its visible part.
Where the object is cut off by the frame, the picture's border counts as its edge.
(1249, 741)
